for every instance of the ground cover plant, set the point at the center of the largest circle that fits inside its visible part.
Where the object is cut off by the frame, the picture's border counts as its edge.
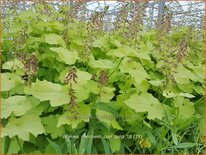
(71, 87)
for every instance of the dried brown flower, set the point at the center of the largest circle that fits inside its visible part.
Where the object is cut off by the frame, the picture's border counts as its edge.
(71, 76)
(30, 63)
(73, 98)
(103, 79)
(182, 52)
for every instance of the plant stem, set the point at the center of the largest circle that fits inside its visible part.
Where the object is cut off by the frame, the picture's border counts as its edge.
(108, 76)
(97, 96)
(116, 67)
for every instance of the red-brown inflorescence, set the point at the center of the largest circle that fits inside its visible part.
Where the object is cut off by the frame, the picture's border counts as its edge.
(70, 78)
(182, 51)
(103, 79)
(30, 63)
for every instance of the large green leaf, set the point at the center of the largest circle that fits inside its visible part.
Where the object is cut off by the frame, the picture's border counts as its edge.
(73, 119)
(9, 81)
(19, 105)
(183, 75)
(100, 63)
(115, 42)
(83, 77)
(44, 90)
(106, 94)
(174, 91)
(65, 55)
(93, 87)
(23, 126)
(81, 92)
(108, 118)
(100, 42)
(84, 85)
(143, 55)
(146, 103)
(122, 52)
(199, 71)
(134, 69)
(58, 25)
(54, 39)
(173, 94)
(50, 125)
(13, 65)
(185, 107)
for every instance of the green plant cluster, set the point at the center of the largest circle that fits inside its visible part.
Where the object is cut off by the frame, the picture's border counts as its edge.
(70, 88)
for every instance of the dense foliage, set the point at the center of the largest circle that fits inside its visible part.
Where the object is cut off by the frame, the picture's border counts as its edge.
(69, 86)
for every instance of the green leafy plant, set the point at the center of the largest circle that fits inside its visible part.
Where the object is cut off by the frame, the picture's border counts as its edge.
(68, 86)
